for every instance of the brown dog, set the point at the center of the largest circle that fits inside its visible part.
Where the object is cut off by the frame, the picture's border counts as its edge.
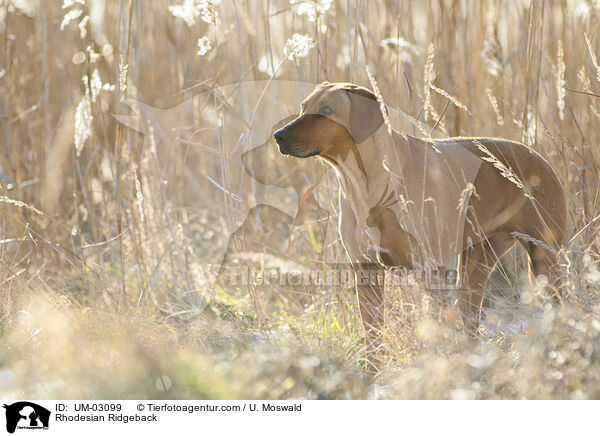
(453, 203)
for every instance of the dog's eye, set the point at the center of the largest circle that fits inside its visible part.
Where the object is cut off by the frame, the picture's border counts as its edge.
(325, 110)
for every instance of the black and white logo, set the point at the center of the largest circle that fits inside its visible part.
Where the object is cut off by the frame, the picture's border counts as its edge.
(26, 415)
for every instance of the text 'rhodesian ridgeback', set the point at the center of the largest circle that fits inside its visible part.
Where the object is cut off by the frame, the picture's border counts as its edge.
(457, 204)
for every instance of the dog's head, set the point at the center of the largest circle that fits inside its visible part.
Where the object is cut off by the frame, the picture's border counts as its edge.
(334, 117)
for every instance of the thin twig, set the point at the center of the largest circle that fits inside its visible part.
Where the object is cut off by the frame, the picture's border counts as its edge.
(582, 92)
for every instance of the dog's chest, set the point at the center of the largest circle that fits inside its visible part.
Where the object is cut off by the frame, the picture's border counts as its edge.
(423, 202)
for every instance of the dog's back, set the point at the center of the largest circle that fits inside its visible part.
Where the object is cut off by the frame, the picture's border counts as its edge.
(517, 190)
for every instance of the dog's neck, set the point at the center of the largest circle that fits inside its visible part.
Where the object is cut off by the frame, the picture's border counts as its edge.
(363, 169)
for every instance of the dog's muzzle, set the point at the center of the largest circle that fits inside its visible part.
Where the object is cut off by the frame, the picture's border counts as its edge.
(286, 145)
(292, 147)
(282, 137)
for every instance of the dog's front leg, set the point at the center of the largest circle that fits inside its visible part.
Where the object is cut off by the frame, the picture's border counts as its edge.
(369, 284)
(369, 287)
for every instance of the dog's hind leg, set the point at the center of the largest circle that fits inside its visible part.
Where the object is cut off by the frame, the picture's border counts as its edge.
(543, 265)
(478, 262)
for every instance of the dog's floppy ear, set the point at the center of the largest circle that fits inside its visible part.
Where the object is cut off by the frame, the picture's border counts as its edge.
(365, 113)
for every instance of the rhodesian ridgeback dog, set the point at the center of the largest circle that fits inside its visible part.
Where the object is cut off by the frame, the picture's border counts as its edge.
(407, 201)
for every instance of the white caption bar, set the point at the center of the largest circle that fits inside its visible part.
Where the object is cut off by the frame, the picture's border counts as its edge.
(149, 417)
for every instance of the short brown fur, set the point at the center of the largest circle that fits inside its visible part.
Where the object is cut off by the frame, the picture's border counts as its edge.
(499, 208)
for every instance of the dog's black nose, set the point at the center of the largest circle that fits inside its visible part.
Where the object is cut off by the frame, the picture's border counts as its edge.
(281, 136)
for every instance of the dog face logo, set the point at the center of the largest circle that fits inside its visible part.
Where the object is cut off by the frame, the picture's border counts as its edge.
(26, 415)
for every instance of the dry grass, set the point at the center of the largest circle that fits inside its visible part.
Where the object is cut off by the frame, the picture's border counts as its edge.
(104, 231)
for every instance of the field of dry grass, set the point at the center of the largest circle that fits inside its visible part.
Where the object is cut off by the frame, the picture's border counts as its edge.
(110, 231)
